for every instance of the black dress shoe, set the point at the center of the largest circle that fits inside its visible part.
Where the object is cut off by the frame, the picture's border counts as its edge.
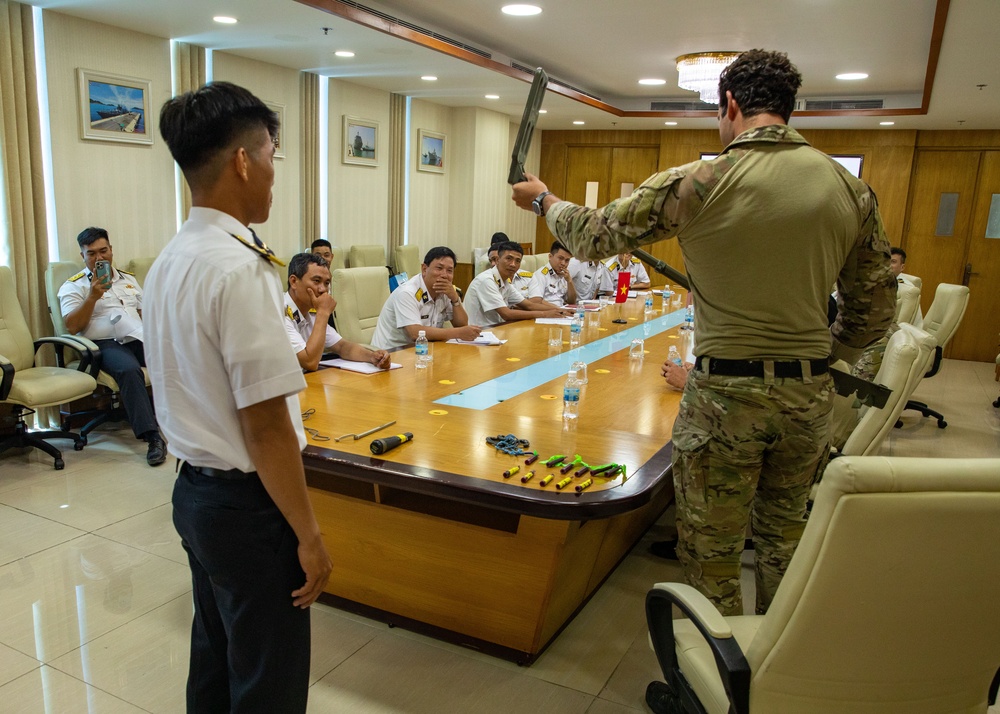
(664, 549)
(661, 699)
(156, 454)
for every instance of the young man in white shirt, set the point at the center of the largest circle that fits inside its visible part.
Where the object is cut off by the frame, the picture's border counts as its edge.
(590, 278)
(553, 281)
(425, 302)
(308, 306)
(625, 261)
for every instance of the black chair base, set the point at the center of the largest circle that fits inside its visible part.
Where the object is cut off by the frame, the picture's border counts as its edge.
(997, 403)
(116, 414)
(37, 439)
(927, 412)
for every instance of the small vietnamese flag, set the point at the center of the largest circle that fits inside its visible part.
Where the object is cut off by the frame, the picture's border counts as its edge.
(624, 280)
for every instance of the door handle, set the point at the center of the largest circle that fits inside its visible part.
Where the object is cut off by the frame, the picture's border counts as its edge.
(968, 274)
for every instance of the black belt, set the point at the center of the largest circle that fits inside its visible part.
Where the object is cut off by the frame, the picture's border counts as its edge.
(755, 367)
(231, 474)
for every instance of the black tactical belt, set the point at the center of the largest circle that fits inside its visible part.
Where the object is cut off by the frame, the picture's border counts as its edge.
(755, 367)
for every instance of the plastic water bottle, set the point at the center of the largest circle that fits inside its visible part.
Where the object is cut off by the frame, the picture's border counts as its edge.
(423, 350)
(674, 356)
(580, 313)
(649, 304)
(575, 330)
(571, 396)
(689, 318)
(665, 298)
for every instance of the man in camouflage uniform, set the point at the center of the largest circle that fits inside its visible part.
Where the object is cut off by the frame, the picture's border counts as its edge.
(765, 229)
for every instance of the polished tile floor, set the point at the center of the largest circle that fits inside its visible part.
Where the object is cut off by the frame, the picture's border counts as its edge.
(95, 595)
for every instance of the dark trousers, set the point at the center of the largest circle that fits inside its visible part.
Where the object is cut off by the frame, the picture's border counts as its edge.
(124, 362)
(249, 644)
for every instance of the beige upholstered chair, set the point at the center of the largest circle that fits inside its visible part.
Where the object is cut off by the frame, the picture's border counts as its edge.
(480, 260)
(367, 256)
(55, 275)
(907, 357)
(25, 387)
(863, 622)
(907, 303)
(360, 294)
(913, 280)
(941, 322)
(407, 259)
(139, 267)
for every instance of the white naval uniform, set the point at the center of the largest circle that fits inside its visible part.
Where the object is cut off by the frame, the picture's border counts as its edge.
(590, 278)
(213, 326)
(124, 297)
(522, 283)
(299, 327)
(635, 266)
(410, 304)
(552, 287)
(487, 292)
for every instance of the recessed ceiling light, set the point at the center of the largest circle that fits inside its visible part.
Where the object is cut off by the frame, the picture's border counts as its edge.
(344, 53)
(429, 78)
(652, 82)
(670, 123)
(852, 75)
(543, 111)
(225, 19)
(886, 123)
(578, 123)
(492, 96)
(521, 10)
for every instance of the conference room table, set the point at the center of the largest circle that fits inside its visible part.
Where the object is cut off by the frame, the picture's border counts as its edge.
(433, 537)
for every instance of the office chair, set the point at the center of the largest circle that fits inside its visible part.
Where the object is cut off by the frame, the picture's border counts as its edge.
(407, 259)
(941, 322)
(25, 387)
(862, 622)
(907, 303)
(367, 256)
(55, 275)
(139, 267)
(360, 294)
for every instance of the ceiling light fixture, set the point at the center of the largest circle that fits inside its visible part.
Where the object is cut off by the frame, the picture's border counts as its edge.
(670, 123)
(700, 72)
(886, 123)
(579, 123)
(429, 78)
(543, 111)
(652, 82)
(344, 53)
(492, 96)
(852, 75)
(521, 10)
(225, 20)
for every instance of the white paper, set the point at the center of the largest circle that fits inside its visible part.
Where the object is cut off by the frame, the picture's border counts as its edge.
(553, 320)
(363, 367)
(485, 338)
(128, 326)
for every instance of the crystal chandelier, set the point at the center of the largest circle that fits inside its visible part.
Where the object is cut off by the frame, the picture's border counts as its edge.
(700, 72)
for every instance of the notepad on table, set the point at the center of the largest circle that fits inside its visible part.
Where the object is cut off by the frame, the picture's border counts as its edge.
(362, 367)
(485, 338)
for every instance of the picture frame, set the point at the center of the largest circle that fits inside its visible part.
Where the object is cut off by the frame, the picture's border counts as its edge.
(360, 141)
(114, 107)
(431, 151)
(279, 144)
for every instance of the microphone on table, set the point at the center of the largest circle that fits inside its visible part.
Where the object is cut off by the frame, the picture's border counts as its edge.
(662, 268)
(380, 446)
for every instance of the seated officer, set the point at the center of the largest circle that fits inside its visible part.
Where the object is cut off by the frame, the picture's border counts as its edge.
(109, 313)
(590, 278)
(553, 280)
(308, 306)
(625, 261)
(425, 302)
(323, 249)
(491, 299)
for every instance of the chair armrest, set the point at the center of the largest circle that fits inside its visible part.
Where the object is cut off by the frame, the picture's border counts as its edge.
(90, 353)
(8, 377)
(938, 353)
(729, 658)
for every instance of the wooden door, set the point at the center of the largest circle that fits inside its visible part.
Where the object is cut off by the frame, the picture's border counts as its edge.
(976, 338)
(939, 258)
(586, 164)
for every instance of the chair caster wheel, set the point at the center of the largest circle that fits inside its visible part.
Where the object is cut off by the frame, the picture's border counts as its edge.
(60, 464)
(78, 446)
(997, 403)
(661, 699)
(942, 423)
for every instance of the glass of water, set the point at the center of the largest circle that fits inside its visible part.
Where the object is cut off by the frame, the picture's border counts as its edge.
(637, 349)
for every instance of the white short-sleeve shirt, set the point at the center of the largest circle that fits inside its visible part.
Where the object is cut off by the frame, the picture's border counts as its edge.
(215, 342)
(521, 282)
(487, 292)
(589, 278)
(409, 304)
(299, 327)
(552, 287)
(123, 297)
(635, 267)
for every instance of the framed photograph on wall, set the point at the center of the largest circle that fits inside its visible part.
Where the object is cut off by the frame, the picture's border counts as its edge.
(430, 151)
(279, 145)
(360, 141)
(113, 107)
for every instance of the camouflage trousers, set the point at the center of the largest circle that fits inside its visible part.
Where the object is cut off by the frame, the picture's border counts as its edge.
(745, 451)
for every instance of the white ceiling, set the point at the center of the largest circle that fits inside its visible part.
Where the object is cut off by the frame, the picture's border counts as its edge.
(604, 48)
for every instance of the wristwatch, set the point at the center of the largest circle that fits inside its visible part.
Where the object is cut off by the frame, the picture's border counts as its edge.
(537, 206)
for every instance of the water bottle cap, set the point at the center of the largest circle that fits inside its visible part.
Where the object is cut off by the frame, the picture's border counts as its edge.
(421, 333)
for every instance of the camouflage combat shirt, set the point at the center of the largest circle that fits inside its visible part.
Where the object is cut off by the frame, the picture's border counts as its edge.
(766, 229)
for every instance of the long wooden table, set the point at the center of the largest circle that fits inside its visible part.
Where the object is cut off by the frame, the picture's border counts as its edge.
(432, 537)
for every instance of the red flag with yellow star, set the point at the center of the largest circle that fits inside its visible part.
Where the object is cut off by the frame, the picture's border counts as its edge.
(624, 280)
